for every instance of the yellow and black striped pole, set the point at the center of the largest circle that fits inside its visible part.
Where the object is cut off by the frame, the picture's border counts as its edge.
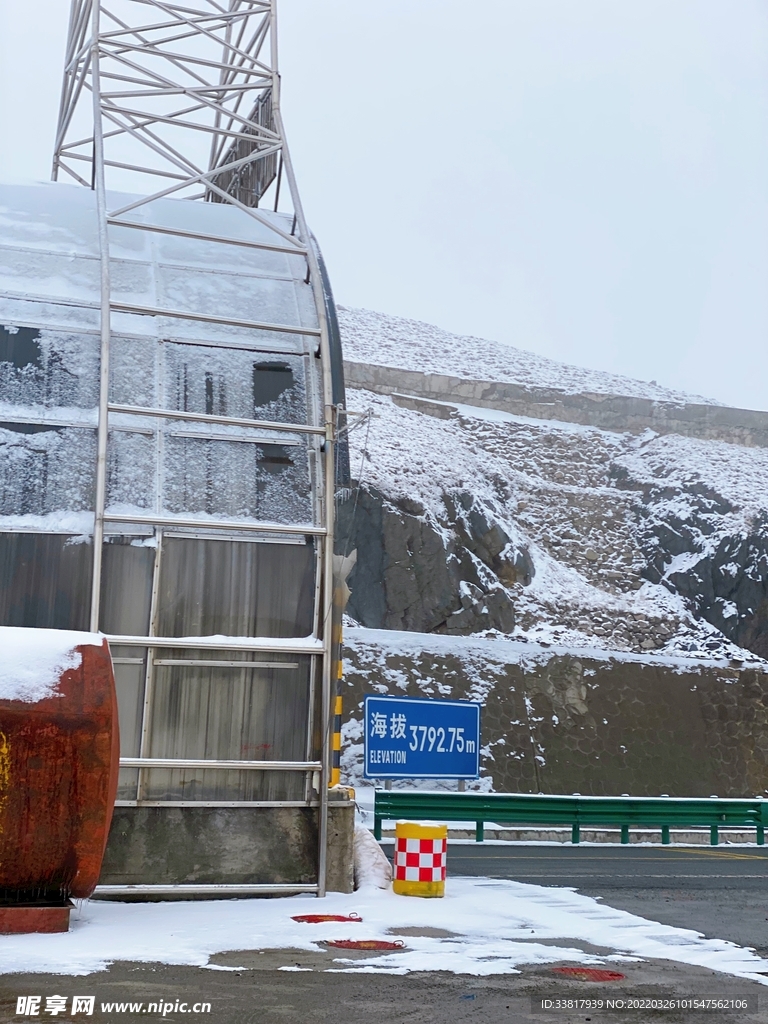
(336, 745)
(342, 567)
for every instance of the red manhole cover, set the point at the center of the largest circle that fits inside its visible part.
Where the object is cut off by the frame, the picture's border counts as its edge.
(321, 918)
(365, 944)
(589, 973)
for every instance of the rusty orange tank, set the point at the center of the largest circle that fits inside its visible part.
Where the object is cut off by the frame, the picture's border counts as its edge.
(59, 759)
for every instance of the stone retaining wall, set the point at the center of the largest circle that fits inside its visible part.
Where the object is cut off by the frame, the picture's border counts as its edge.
(557, 721)
(610, 412)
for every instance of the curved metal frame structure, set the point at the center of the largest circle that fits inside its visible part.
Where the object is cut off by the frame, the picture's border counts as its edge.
(182, 99)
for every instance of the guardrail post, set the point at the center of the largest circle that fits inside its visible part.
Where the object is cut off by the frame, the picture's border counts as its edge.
(479, 832)
(376, 827)
(665, 835)
(625, 834)
(575, 833)
(714, 837)
(760, 835)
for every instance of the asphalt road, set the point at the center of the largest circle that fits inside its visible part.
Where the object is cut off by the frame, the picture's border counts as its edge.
(261, 993)
(720, 891)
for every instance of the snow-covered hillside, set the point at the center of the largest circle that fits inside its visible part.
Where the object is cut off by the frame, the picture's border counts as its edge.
(638, 543)
(384, 340)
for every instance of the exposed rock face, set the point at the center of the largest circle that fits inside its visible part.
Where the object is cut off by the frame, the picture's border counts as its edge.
(414, 572)
(722, 575)
(740, 578)
(729, 588)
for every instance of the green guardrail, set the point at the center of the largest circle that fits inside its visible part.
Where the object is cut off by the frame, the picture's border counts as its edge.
(507, 809)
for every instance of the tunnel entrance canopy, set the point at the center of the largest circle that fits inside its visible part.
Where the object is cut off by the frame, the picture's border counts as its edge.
(209, 577)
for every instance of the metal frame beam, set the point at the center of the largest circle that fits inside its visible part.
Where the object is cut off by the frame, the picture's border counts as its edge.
(266, 645)
(301, 529)
(182, 891)
(203, 417)
(207, 318)
(290, 250)
(237, 766)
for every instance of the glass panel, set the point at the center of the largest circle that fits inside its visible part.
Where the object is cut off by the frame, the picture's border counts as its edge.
(132, 463)
(235, 588)
(232, 382)
(270, 381)
(196, 252)
(231, 295)
(126, 597)
(39, 366)
(44, 469)
(46, 581)
(132, 369)
(267, 481)
(215, 784)
(130, 664)
(130, 669)
(126, 585)
(223, 712)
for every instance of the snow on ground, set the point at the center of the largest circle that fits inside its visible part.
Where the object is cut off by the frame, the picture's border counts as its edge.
(371, 865)
(477, 652)
(495, 926)
(384, 340)
(32, 660)
(405, 453)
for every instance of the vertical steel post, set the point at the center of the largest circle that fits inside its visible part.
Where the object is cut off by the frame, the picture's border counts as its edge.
(149, 669)
(100, 189)
(327, 681)
(329, 466)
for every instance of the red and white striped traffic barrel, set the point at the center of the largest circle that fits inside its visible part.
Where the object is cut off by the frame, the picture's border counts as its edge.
(420, 859)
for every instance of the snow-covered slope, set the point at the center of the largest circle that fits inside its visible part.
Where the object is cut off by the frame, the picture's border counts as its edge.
(384, 340)
(638, 542)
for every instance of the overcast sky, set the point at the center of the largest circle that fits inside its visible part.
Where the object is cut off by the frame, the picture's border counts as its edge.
(584, 178)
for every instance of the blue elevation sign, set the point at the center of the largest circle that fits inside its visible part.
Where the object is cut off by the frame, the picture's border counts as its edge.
(409, 738)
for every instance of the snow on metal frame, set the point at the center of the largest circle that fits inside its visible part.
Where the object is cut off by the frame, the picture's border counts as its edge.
(187, 96)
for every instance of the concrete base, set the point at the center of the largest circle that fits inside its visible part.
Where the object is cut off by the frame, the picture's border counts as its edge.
(340, 871)
(229, 845)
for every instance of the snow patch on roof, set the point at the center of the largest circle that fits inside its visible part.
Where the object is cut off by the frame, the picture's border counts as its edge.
(33, 660)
